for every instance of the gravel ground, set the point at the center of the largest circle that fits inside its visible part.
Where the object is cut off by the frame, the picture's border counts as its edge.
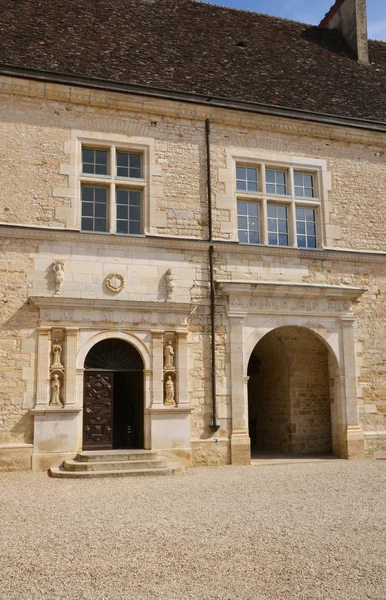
(303, 531)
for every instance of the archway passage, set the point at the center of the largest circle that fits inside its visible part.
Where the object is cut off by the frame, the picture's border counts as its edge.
(113, 404)
(289, 393)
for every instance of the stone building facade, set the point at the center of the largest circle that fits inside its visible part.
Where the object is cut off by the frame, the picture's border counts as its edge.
(134, 225)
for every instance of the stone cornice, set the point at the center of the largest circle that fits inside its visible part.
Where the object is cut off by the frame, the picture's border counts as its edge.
(103, 304)
(299, 124)
(25, 232)
(274, 289)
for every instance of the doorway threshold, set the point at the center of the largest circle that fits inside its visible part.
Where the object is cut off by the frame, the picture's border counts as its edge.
(261, 459)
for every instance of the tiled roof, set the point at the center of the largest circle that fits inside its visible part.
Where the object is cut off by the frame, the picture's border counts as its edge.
(197, 48)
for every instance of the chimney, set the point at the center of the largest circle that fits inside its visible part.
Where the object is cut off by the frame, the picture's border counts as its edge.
(350, 18)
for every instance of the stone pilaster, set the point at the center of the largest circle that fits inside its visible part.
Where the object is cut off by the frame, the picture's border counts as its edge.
(158, 365)
(43, 366)
(353, 434)
(182, 369)
(240, 442)
(70, 365)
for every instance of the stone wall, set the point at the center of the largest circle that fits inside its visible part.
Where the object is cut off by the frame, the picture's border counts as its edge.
(289, 397)
(37, 122)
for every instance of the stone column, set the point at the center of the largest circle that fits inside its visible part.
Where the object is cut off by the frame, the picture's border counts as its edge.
(182, 369)
(353, 436)
(240, 442)
(70, 365)
(158, 365)
(43, 367)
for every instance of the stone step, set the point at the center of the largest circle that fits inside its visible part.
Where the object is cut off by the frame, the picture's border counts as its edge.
(116, 455)
(115, 465)
(172, 469)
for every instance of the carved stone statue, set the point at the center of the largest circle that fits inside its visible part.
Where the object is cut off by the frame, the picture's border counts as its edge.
(169, 391)
(57, 351)
(169, 283)
(169, 355)
(58, 268)
(55, 390)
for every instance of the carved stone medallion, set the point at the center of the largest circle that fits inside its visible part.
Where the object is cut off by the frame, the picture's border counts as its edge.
(115, 282)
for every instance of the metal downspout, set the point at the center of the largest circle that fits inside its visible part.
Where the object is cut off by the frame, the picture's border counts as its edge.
(214, 425)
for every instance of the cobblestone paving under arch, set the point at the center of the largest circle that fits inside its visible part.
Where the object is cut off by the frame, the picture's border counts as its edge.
(300, 531)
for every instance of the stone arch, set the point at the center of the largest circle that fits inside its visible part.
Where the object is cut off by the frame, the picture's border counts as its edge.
(316, 327)
(292, 403)
(130, 338)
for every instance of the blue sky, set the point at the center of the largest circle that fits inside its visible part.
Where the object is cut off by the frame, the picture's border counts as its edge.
(308, 11)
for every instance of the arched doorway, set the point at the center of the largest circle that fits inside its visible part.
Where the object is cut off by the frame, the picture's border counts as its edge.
(113, 402)
(289, 395)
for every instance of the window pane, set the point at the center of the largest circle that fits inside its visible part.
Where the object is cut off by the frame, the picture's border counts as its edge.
(280, 177)
(135, 213)
(242, 222)
(122, 159)
(88, 168)
(272, 239)
(252, 186)
(253, 237)
(282, 212)
(101, 157)
(298, 179)
(134, 227)
(100, 194)
(281, 189)
(243, 237)
(87, 209)
(122, 211)
(87, 224)
(311, 229)
(135, 198)
(272, 225)
(310, 214)
(251, 174)
(271, 189)
(283, 240)
(252, 223)
(241, 185)
(122, 197)
(302, 241)
(252, 209)
(122, 227)
(282, 226)
(301, 227)
(101, 169)
(241, 173)
(122, 171)
(270, 176)
(135, 172)
(100, 210)
(299, 191)
(309, 193)
(300, 214)
(242, 208)
(308, 181)
(271, 208)
(87, 193)
(135, 161)
(87, 155)
(100, 225)
(311, 242)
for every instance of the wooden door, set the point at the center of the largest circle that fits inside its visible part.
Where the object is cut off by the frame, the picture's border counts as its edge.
(98, 411)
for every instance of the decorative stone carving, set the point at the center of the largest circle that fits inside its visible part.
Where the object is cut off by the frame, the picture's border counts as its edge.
(58, 267)
(169, 392)
(55, 390)
(169, 356)
(115, 282)
(57, 351)
(169, 277)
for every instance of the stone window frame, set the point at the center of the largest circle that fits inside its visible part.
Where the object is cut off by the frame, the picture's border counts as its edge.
(151, 217)
(326, 233)
(289, 200)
